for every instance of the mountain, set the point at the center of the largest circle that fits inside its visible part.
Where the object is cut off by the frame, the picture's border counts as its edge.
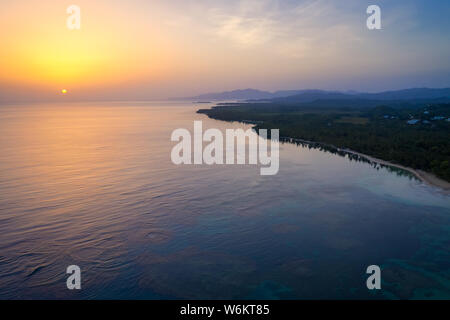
(305, 96)
(409, 95)
(248, 94)
(314, 95)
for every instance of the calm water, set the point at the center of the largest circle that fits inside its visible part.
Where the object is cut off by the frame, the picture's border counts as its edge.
(93, 185)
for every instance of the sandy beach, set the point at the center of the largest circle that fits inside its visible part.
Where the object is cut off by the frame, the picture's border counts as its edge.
(423, 176)
(426, 177)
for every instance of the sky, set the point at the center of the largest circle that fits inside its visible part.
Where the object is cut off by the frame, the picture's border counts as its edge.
(139, 49)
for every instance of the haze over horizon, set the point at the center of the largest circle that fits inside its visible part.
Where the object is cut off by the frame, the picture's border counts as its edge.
(144, 51)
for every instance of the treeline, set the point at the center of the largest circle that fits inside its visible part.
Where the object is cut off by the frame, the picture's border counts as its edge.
(381, 132)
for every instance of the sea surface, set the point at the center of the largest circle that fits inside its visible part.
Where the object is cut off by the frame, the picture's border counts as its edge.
(93, 185)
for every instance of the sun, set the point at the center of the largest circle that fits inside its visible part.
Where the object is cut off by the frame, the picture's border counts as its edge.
(64, 91)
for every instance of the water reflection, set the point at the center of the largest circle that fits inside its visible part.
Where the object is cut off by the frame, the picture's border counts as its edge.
(93, 185)
(351, 156)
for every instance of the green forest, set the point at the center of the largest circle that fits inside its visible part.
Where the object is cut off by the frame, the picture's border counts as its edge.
(416, 137)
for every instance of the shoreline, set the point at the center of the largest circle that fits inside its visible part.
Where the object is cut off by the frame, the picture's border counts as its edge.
(425, 177)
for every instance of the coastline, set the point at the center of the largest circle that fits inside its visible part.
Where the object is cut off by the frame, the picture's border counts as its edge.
(423, 176)
(426, 177)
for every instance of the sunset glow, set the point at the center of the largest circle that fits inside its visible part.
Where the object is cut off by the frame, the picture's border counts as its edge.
(215, 158)
(149, 50)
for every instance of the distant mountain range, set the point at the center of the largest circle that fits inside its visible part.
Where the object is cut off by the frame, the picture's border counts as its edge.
(245, 94)
(407, 94)
(304, 96)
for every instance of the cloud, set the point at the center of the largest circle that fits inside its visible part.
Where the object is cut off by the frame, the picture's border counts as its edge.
(292, 29)
(245, 31)
(247, 23)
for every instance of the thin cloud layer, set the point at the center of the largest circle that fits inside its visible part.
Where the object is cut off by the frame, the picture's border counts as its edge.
(148, 50)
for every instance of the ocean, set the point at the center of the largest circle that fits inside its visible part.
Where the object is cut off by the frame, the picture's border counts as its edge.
(93, 185)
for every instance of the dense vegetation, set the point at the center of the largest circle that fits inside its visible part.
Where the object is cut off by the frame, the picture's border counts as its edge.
(382, 132)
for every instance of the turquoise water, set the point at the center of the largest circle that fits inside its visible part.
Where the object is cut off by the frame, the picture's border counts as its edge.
(93, 185)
